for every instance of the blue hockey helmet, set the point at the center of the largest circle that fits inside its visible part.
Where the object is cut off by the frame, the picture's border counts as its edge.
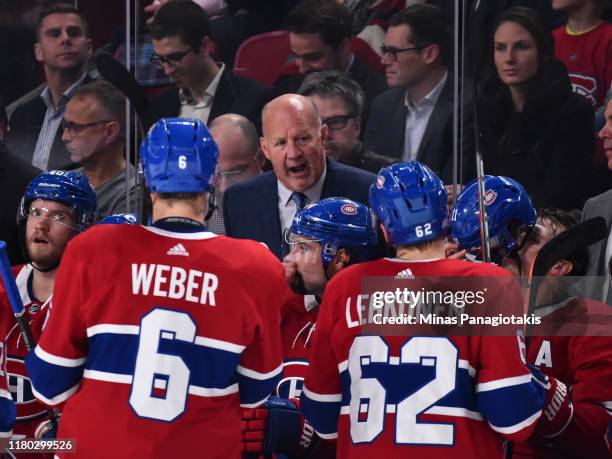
(179, 156)
(410, 201)
(67, 187)
(508, 207)
(118, 219)
(336, 223)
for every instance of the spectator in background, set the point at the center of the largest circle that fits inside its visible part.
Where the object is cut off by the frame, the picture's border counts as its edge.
(340, 100)
(533, 127)
(63, 49)
(584, 45)
(240, 159)
(182, 43)
(414, 119)
(15, 174)
(598, 283)
(293, 138)
(320, 34)
(94, 133)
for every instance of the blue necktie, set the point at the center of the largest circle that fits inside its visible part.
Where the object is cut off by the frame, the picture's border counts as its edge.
(299, 199)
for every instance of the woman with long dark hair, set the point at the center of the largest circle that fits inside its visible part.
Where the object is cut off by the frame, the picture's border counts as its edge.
(533, 127)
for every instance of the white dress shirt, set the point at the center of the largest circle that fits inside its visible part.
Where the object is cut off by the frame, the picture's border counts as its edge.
(417, 119)
(190, 108)
(286, 206)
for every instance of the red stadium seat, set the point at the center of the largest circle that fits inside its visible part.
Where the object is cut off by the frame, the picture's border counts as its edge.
(263, 56)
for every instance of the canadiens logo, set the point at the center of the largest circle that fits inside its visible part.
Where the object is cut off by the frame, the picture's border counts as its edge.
(348, 209)
(380, 181)
(490, 197)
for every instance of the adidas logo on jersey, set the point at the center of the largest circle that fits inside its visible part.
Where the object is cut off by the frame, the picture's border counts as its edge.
(178, 249)
(405, 274)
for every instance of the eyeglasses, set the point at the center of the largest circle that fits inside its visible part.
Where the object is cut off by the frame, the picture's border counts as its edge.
(336, 123)
(393, 52)
(77, 128)
(172, 60)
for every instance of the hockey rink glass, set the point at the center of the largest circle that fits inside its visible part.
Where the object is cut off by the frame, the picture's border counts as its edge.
(37, 209)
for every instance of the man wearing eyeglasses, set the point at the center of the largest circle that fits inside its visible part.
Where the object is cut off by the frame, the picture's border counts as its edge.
(204, 90)
(340, 101)
(62, 48)
(94, 134)
(414, 119)
(240, 159)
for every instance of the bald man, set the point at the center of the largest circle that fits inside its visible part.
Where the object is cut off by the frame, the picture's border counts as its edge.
(293, 137)
(240, 159)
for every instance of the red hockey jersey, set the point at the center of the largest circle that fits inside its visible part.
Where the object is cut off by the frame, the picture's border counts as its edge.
(588, 58)
(580, 355)
(165, 335)
(417, 397)
(30, 412)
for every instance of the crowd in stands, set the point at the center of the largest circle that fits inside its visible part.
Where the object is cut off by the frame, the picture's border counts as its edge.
(378, 75)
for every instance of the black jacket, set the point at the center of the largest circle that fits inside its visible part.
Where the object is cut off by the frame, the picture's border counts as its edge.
(235, 94)
(548, 147)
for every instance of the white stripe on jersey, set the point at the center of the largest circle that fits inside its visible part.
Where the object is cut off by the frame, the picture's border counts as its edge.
(58, 398)
(113, 328)
(516, 427)
(466, 366)
(213, 392)
(56, 360)
(108, 377)
(218, 344)
(438, 410)
(189, 236)
(321, 397)
(257, 375)
(5, 394)
(342, 366)
(504, 382)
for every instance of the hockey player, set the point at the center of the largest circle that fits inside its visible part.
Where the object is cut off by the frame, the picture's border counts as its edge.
(510, 215)
(415, 396)
(573, 344)
(167, 330)
(56, 206)
(325, 237)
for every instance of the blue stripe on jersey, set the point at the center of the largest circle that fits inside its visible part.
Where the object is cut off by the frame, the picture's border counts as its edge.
(519, 403)
(322, 415)
(52, 381)
(209, 367)
(255, 389)
(405, 379)
(7, 414)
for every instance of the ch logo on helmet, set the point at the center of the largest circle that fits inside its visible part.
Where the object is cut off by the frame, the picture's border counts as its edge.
(490, 197)
(380, 181)
(348, 209)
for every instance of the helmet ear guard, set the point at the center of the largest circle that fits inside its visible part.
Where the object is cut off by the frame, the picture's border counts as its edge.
(410, 201)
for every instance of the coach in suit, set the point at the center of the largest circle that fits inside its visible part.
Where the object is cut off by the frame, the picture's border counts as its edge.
(414, 119)
(600, 254)
(293, 137)
(183, 48)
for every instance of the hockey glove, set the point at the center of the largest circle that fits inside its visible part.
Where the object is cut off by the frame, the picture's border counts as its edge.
(558, 409)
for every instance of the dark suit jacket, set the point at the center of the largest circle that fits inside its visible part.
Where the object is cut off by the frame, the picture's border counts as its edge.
(371, 81)
(385, 132)
(24, 128)
(15, 174)
(598, 206)
(250, 209)
(235, 94)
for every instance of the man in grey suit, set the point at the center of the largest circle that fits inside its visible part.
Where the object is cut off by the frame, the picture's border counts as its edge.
(293, 140)
(600, 254)
(414, 119)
